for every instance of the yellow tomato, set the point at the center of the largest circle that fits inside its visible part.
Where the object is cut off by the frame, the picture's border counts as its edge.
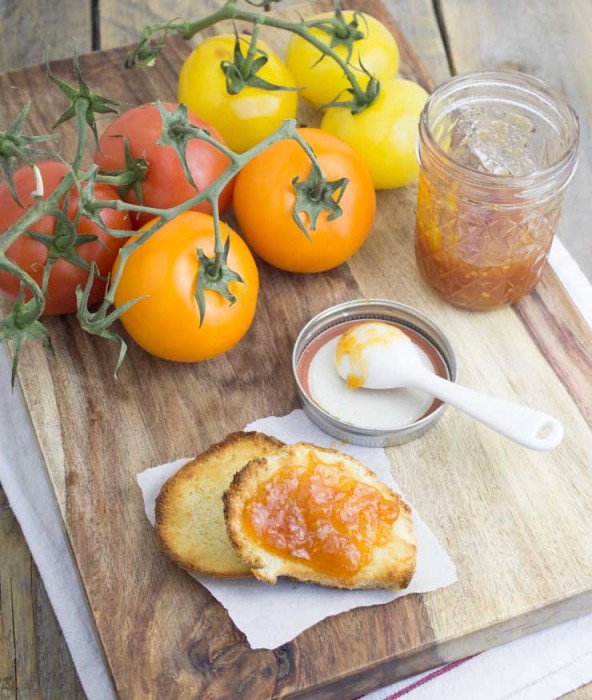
(385, 133)
(253, 113)
(322, 79)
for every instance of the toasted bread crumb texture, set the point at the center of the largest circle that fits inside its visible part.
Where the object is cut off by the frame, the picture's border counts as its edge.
(391, 560)
(190, 523)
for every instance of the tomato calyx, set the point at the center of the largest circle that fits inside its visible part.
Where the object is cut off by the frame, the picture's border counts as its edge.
(215, 275)
(130, 177)
(84, 104)
(100, 321)
(148, 49)
(64, 241)
(15, 147)
(359, 101)
(242, 71)
(177, 132)
(342, 33)
(22, 322)
(315, 195)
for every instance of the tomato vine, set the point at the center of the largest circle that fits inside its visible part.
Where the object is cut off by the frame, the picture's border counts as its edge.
(23, 321)
(342, 33)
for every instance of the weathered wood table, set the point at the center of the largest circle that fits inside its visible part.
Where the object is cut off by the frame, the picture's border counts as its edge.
(546, 39)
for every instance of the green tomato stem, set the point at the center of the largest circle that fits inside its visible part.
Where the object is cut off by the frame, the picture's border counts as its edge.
(204, 136)
(36, 212)
(27, 280)
(81, 112)
(251, 53)
(229, 11)
(210, 194)
(40, 209)
(122, 180)
(126, 251)
(218, 245)
(314, 162)
(217, 267)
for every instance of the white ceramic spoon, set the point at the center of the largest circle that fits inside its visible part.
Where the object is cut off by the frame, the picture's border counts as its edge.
(378, 355)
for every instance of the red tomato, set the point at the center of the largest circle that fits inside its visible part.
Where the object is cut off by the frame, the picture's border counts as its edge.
(31, 255)
(165, 184)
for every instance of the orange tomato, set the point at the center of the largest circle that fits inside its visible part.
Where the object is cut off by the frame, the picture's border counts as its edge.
(264, 199)
(165, 269)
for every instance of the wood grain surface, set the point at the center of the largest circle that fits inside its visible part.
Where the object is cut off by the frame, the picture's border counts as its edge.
(34, 658)
(30, 30)
(492, 513)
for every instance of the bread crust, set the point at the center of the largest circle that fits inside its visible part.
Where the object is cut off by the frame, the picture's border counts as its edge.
(189, 524)
(392, 565)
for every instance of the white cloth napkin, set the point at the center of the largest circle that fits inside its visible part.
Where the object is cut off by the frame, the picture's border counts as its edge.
(539, 667)
(25, 481)
(543, 666)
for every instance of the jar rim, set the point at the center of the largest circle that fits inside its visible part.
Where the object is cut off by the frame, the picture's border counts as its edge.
(512, 79)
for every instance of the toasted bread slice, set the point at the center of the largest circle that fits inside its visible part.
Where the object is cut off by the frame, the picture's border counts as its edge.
(391, 564)
(189, 509)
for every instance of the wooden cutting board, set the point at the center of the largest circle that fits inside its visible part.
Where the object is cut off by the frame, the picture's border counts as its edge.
(516, 523)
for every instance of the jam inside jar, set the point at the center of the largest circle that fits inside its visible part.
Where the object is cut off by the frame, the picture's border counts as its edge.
(320, 516)
(497, 150)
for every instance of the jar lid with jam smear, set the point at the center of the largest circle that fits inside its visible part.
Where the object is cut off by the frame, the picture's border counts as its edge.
(368, 417)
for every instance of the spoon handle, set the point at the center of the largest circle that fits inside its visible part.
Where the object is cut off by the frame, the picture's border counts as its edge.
(527, 427)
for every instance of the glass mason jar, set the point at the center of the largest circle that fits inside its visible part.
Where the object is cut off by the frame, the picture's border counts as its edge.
(496, 151)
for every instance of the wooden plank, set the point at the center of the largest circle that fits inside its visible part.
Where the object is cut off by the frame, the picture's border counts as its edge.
(34, 659)
(16, 611)
(497, 518)
(418, 22)
(8, 675)
(29, 29)
(123, 23)
(57, 674)
(486, 34)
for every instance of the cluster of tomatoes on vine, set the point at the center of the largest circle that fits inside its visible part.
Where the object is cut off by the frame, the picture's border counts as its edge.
(304, 199)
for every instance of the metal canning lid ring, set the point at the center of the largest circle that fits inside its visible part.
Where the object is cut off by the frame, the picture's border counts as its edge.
(429, 335)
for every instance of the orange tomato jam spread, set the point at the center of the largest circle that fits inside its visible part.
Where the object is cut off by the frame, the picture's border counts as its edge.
(319, 515)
